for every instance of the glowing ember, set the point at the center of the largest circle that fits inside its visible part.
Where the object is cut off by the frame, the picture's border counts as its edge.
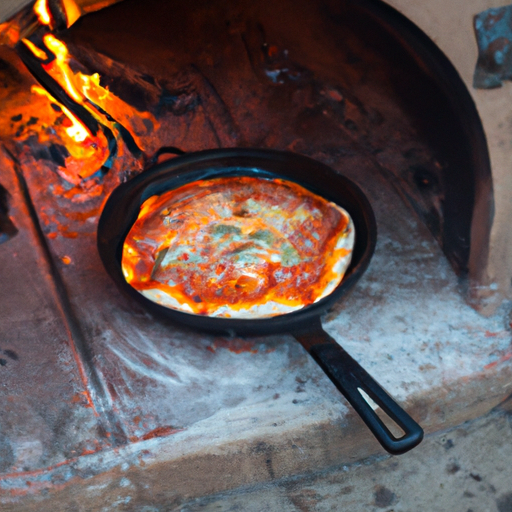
(241, 247)
(9, 33)
(74, 128)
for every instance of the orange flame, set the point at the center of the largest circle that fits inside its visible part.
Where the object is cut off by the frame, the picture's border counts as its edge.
(86, 90)
(42, 12)
(40, 54)
(59, 68)
(88, 152)
(73, 12)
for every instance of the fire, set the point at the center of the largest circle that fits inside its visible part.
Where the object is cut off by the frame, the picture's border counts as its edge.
(83, 124)
(86, 90)
(81, 144)
(40, 54)
(88, 152)
(59, 68)
(42, 12)
(72, 11)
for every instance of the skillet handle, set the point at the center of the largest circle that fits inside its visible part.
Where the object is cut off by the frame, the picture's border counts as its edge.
(349, 377)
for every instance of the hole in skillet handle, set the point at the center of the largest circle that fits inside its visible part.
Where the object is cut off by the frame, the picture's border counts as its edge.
(121, 211)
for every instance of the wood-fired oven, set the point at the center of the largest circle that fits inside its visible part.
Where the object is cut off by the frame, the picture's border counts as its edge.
(96, 391)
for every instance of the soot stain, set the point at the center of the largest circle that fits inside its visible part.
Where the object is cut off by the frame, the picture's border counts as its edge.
(384, 497)
(7, 228)
(11, 354)
(447, 443)
(270, 469)
(266, 449)
(452, 468)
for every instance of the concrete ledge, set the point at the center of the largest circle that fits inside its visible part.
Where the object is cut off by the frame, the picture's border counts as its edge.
(247, 449)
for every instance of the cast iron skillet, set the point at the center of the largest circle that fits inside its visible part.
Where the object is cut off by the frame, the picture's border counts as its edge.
(123, 206)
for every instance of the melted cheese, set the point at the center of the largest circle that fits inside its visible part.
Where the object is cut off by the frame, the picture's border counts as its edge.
(238, 247)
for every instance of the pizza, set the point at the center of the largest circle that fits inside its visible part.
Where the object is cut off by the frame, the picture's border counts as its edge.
(238, 247)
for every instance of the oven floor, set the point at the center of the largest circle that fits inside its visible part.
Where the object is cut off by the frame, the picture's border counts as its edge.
(102, 400)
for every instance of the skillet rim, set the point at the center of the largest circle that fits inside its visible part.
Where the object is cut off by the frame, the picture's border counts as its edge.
(121, 209)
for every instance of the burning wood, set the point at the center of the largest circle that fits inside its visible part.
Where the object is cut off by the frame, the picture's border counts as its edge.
(96, 118)
(55, 14)
(74, 127)
(85, 121)
(66, 12)
(61, 14)
(88, 120)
